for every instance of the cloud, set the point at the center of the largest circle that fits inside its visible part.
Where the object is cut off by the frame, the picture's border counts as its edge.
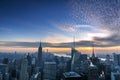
(99, 42)
(64, 27)
(103, 14)
(67, 28)
(84, 32)
(73, 27)
(113, 40)
(58, 38)
(97, 19)
(44, 44)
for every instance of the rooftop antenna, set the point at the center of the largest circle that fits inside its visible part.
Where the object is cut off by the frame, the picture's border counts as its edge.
(40, 44)
(93, 53)
(47, 50)
(73, 54)
(74, 42)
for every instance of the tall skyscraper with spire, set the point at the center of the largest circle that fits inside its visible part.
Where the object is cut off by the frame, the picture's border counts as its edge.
(40, 54)
(73, 48)
(93, 58)
(73, 54)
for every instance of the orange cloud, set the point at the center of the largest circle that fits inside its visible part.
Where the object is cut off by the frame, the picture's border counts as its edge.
(57, 38)
(18, 49)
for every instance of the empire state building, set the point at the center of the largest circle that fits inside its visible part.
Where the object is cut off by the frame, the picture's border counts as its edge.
(40, 54)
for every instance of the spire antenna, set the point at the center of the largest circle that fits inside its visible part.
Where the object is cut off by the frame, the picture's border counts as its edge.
(74, 42)
(40, 43)
(93, 53)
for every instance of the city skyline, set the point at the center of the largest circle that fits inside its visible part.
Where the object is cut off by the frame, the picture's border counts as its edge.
(23, 24)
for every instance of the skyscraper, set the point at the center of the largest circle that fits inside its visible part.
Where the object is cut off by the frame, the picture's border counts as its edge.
(49, 71)
(92, 72)
(75, 59)
(116, 58)
(73, 49)
(23, 72)
(93, 58)
(40, 55)
(1, 76)
(115, 75)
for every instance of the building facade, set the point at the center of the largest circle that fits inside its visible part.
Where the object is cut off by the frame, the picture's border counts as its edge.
(49, 71)
(23, 72)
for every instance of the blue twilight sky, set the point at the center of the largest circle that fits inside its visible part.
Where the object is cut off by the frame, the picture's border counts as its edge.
(32, 20)
(57, 21)
(36, 20)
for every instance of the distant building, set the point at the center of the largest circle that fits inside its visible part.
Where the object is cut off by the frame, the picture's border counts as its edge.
(77, 59)
(23, 72)
(33, 61)
(107, 71)
(107, 61)
(95, 60)
(3, 68)
(71, 76)
(68, 65)
(29, 59)
(115, 75)
(83, 57)
(93, 72)
(72, 52)
(33, 66)
(5, 61)
(116, 58)
(107, 57)
(49, 71)
(1, 76)
(7, 76)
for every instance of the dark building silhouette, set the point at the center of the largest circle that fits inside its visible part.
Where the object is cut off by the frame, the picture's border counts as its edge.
(40, 62)
(68, 66)
(5, 61)
(40, 55)
(29, 59)
(95, 60)
(93, 72)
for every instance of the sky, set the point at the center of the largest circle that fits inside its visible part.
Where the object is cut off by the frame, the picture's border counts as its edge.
(23, 24)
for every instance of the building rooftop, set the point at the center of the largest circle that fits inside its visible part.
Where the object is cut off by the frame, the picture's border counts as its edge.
(71, 74)
(49, 62)
(2, 64)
